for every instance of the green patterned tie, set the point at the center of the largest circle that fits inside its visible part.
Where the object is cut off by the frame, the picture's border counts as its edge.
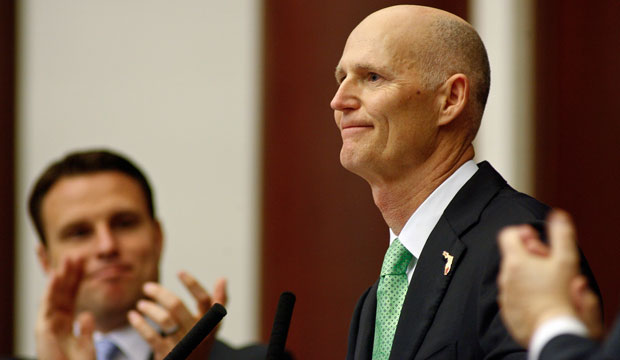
(390, 296)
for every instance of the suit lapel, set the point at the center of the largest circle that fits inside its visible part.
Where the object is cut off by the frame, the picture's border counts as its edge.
(366, 332)
(429, 284)
(426, 290)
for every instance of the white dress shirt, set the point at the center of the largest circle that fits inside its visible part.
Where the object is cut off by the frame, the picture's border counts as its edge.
(132, 346)
(420, 225)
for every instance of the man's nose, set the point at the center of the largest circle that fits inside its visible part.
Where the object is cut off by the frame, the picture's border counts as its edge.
(106, 242)
(345, 98)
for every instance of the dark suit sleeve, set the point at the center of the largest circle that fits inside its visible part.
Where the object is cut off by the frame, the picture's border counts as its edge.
(572, 347)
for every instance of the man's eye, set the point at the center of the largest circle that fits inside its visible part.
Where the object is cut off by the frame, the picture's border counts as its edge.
(125, 221)
(373, 77)
(77, 233)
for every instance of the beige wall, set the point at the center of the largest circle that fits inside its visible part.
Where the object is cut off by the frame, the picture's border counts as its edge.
(175, 86)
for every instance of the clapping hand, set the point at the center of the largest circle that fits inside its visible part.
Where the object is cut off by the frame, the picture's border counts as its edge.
(172, 317)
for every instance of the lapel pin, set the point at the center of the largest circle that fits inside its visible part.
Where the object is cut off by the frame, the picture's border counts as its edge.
(449, 259)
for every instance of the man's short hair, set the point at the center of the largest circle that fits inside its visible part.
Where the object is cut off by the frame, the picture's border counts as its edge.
(82, 163)
(455, 47)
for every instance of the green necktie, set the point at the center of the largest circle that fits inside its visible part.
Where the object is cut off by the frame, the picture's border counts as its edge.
(390, 296)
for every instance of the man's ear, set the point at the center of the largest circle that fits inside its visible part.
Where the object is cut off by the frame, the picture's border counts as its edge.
(43, 256)
(454, 97)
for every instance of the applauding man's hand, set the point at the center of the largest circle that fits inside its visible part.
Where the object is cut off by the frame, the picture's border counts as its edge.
(54, 329)
(172, 317)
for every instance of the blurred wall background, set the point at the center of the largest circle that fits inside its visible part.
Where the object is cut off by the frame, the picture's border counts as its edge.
(226, 107)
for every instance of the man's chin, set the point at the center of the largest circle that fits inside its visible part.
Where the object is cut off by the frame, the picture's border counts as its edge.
(110, 300)
(352, 160)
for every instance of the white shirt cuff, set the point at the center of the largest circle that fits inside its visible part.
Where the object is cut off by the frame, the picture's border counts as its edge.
(548, 330)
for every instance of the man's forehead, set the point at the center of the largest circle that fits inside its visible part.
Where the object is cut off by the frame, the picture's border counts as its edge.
(375, 51)
(382, 35)
(75, 195)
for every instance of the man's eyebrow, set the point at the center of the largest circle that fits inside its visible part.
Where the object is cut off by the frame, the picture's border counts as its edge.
(367, 67)
(71, 226)
(338, 73)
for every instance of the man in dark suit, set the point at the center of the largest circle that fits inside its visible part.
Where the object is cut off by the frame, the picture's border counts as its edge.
(413, 83)
(100, 247)
(545, 303)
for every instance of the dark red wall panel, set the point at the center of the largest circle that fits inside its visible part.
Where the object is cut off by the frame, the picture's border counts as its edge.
(578, 127)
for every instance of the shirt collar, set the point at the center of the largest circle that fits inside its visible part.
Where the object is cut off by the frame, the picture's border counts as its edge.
(419, 226)
(131, 344)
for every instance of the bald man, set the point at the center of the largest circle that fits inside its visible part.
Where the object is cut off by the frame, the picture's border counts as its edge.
(412, 86)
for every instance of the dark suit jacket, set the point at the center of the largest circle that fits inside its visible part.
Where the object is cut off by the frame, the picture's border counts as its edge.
(455, 316)
(571, 347)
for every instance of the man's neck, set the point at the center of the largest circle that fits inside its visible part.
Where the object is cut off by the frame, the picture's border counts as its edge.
(398, 199)
(111, 324)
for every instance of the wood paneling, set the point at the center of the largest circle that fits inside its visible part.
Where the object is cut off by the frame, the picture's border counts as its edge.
(578, 127)
(322, 236)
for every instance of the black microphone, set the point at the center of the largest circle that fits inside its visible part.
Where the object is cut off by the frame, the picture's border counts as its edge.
(281, 323)
(197, 333)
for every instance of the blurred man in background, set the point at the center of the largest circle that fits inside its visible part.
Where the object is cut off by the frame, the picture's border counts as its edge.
(100, 246)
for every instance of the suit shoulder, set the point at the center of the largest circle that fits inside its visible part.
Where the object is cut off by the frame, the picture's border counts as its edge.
(512, 207)
(507, 207)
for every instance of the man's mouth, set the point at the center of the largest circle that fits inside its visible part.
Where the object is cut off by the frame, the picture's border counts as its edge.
(110, 272)
(355, 128)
